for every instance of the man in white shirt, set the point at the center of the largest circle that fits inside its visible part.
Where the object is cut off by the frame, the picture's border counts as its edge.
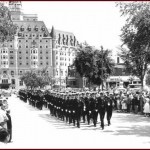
(3, 117)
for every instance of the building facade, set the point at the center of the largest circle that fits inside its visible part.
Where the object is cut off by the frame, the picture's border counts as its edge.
(34, 47)
(64, 46)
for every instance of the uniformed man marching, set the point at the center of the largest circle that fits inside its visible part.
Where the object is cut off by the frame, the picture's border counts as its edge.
(93, 108)
(101, 108)
(87, 105)
(71, 107)
(109, 107)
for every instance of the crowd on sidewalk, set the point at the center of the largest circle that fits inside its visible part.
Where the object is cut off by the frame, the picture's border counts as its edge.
(5, 121)
(133, 102)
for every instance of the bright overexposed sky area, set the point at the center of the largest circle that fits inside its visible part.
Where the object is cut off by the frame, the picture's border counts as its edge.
(98, 23)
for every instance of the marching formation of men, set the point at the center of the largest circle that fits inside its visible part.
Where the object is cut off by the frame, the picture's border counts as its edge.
(73, 107)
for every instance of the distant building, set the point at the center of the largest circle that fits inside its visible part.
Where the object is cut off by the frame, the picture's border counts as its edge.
(74, 80)
(64, 46)
(120, 76)
(35, 47)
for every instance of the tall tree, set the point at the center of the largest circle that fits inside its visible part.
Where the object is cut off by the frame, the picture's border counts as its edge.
(7, 28)
(135, 35)
(104, 66)
(84, 62)
(93, 64)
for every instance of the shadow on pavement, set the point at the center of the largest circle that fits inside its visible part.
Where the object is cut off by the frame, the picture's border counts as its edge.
(136, 127)
(134, 130)
(132, 118)
(59, 124)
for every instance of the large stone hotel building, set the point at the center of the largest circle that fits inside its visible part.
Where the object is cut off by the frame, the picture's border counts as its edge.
(35, 47)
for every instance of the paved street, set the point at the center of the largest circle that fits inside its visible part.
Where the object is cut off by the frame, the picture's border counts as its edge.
(33, 128)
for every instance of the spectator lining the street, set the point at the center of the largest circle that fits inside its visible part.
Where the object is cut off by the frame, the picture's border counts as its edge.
(3, 117)
(146, 107)
(9, 125)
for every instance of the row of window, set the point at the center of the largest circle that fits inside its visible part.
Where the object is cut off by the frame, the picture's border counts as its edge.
(25, 41)
(33, 41)
(4, 56)
(28, 52)
(62, 82)
(62, 58)
(5, 81)
(13, 72)
(4, 62)
(32, 35)
(27, 63)
(62, 64)
(40, 46)
(61, 72)
(4, 51)
(20, 52)
(64, 53)
(35, 28)
(20, 57)
(20, 46)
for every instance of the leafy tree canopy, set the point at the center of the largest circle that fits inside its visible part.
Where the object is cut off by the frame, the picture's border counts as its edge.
(7, 28)
(93, 64)
(36, 78)
(135, 35)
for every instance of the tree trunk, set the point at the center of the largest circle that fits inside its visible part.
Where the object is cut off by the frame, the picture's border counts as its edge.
(89, 85)
(102, 85)
(142, 80)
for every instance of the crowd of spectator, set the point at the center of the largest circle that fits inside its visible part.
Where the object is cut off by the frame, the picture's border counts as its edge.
(132, 102)
(5, 121)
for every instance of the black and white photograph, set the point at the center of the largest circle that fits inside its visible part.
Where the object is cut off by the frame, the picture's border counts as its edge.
(74, 74)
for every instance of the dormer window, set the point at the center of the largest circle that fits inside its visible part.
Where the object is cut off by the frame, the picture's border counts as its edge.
(22, 28)
(43, 29)
(36, 28)
(29, 28)
(45, 34)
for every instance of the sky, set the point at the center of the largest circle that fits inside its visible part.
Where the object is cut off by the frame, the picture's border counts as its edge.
(97, 23)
